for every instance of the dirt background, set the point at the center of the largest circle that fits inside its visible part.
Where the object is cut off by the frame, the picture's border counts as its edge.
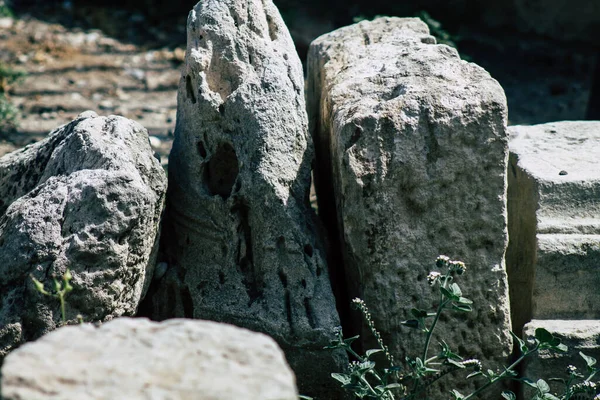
(125, 58)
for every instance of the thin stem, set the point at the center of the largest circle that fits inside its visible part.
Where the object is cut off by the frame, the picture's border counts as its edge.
(592, 375)
(355, 354)
(62, 309)
(430, 331)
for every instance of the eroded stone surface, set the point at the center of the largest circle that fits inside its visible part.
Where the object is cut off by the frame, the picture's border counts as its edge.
(554, 186)
(241, 244)
(88, 198)
(138, 359)
(415, 142)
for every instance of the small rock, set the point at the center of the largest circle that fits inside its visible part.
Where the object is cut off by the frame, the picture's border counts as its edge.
(6, 23)
(106, 105)
(155, 142)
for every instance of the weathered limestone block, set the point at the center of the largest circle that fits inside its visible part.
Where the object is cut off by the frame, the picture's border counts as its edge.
(88, 198)
(553, 257)
(139, 359)
(579, 336)
(240, 239)
(414, 142)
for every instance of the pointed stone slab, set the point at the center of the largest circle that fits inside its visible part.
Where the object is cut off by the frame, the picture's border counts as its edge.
(241, 243)
(411, 149)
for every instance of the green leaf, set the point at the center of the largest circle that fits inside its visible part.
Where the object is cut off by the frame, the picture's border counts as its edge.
(550, 396)
(351, 339)
(411, 323)
(522, 345)
(590, 361)
(39, 286)
(543, 335)
(455, 290)
(67, 275)
(448, 294)
(370, 352)
(561, 347)
(342, 378)
(366, 366)
(474, 374)
(542, 386)
(56, 286)
(508, 395)
(393, 386)
(461, 307)
(529, 382)
(419, 363)
(464, 300)
(301, 397)
(457, 395)
(418, 313)
(455, 363)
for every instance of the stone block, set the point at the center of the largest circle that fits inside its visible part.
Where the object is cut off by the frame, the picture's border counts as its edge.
(138, 359)
(411, 155)
(553, 257)
(241, 241)
(579, 336)
(88, 198)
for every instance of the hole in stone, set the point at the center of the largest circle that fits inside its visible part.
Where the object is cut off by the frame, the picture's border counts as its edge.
(280, 242)
(221, 277)
(272, 28)
(222, 109)
(308, 250)
(189, 88)
(283, 278)
(201, 149)
(222, 170)
(319, 271)
(304, 283)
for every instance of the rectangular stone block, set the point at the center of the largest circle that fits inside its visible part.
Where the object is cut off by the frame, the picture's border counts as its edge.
(553, 257)
(411, 158)
(579, 336)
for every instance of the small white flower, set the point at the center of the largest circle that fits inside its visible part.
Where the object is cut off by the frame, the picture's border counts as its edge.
(433, 277)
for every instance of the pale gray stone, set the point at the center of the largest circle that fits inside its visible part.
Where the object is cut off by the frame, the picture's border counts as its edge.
(137, 359)
(554, 224)
(88, 198)
(412, 149)
(578, 335)
(240, 240)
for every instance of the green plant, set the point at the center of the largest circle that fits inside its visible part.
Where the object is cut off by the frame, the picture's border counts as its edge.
(416, 375)
(61, 290)
(5, 10)
(436, 29)
(8, 114)
(8, 77)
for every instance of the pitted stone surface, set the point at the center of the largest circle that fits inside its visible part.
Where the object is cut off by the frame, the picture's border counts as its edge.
(554, 187)
(240, 239)
(137, 359)
(415, 142)
(88, 198)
